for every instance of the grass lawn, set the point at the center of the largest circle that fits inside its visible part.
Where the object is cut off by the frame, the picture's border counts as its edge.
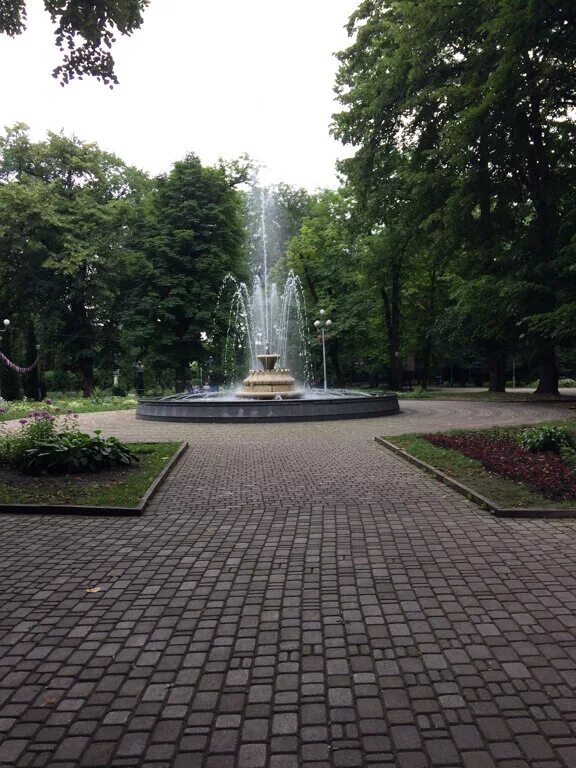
(485, 395)
(123, 487)
(18, 409)
(504, 492)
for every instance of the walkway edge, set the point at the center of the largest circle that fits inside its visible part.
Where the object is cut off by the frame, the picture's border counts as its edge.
(470, 493)
(87, 510)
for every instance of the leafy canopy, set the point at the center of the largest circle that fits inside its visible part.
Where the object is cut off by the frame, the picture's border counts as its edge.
(85, 32)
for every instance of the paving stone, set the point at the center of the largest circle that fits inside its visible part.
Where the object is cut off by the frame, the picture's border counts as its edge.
(293, 597)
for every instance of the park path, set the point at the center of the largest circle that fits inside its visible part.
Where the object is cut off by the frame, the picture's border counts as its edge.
(294, 596)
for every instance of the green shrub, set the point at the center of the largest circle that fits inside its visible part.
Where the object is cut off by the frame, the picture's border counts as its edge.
(77, 452)
(567, 382)
(546, 438)
(49, 442)
(40, 425)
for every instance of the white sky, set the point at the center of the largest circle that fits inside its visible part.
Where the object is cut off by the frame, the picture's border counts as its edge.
(214, 77)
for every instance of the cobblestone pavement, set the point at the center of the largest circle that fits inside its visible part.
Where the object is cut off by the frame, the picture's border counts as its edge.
(294, 596)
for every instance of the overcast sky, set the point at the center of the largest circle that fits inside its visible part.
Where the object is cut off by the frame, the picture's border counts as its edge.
(215, 77)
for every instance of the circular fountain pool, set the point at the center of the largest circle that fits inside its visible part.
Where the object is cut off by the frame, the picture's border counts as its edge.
(316, 405)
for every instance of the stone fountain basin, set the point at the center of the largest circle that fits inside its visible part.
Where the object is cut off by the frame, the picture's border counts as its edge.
(329, 405)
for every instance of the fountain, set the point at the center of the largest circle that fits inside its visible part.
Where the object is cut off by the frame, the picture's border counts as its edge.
(269, 327)
(269, 383)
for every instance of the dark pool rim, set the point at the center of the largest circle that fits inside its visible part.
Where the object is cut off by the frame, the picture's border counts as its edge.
(264, 411)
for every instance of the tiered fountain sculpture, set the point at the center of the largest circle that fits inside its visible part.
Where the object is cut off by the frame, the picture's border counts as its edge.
(270, 383)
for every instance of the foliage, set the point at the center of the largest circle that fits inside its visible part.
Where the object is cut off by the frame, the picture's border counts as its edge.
(40, 425)
(101, 266)
(333, 275)
(468, 103)
(544, 471)
(123, 486)
(567, 382)
(65, 211)
(85, 32)
(72, 451)
(568, 456)
(192, 236)
(546, 438)
(503, 491)
(49, 442)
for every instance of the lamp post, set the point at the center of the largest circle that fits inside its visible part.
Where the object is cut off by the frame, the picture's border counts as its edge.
(323, 325)
(6, 324)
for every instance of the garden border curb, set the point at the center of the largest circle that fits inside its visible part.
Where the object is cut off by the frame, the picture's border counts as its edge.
(470, 493)
(102, 511)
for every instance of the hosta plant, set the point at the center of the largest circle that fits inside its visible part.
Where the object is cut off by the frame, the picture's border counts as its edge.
(545, 438)
(69, 452)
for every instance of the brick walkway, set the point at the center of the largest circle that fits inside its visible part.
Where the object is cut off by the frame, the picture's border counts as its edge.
(295, 596)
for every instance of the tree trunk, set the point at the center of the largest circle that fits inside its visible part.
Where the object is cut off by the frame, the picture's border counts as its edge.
(86, 368)
(392, 319)
(427, 348)
(31, 380)
(310, 283)
(548, 371)
(497, 370)
(180, 378)
(334, 353)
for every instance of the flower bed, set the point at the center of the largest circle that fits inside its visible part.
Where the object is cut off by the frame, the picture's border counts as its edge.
(543, 471)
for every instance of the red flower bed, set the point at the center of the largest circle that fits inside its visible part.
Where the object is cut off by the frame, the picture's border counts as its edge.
(546, 472)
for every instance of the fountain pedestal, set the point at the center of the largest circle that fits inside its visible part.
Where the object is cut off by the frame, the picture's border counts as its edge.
(270, 383)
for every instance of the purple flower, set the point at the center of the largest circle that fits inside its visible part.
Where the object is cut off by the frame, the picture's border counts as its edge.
(75, 415)
(23, 421)
(3, 410)
(48, 401)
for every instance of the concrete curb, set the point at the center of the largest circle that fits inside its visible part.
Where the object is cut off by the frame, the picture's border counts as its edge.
(473, 495)
(104, 511)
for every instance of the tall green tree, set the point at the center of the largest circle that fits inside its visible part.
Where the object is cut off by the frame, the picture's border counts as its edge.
(478, 93)
(65, 208)
(194, 237)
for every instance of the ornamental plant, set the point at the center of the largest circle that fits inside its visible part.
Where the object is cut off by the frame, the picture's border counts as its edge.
(39, 425)
(49, 442)
(544, 471)
(76, 452)
(546, 438)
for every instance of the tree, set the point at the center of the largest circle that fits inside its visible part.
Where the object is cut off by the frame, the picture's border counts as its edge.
(334, 268)
(193, 237)
(477, 94)
(65, 211)
(85, 31)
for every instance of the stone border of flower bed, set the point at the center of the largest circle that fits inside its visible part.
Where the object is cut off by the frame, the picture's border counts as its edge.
(85, 509)
(473, 495)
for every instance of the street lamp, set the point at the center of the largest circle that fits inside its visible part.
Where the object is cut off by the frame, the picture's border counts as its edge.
(323, 325)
